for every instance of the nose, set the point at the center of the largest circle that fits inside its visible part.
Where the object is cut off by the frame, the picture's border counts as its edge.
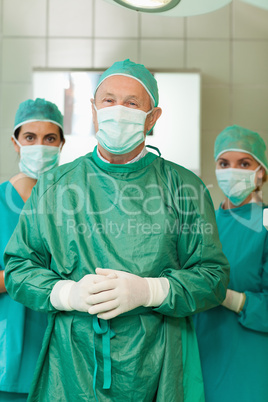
(233, 165)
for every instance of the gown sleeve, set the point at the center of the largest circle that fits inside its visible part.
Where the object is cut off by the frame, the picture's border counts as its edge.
(26, 254)
(202, 277)
(255, 311)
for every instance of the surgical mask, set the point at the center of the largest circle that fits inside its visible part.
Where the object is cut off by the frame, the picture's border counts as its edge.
(121, 129)
(236, 184)
(37, 159)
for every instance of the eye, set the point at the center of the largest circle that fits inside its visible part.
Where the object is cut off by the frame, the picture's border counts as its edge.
(108, 101)
(50, 139)
(223, 164)
(245, 165)
(29, 138)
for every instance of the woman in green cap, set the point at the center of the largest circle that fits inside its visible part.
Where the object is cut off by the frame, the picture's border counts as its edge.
(38, 138)
(233, 338)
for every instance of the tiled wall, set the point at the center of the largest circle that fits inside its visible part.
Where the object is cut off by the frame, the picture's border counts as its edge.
(229, 46)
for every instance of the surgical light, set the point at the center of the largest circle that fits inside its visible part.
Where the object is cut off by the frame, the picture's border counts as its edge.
(148, 5)
(258, 3)
(172, 8)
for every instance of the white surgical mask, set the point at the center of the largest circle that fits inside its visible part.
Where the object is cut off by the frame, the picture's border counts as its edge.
(37, 159)
(121, 129)
(236, 184)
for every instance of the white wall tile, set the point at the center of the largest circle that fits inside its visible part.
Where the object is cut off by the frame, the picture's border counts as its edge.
(250, 107)
(114, 22)
(70, 53)
(106, 51)
(212, 58)
(250, 22)
(250, 65)
(213, 187)
(215, 106)
(155, 26)
(1, 15)
(24, 17)
(19, 58)
(162, 53)
(208, 165)
(11, 96)
(212, 25)
(9, 158)
(70, 18)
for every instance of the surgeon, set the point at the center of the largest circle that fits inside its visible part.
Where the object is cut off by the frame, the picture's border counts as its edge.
(120, 248)
(38, 139)
(233, 337)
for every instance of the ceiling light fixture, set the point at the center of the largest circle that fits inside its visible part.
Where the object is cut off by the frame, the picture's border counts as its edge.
(149, 6)
(173, 8)
(258, 3)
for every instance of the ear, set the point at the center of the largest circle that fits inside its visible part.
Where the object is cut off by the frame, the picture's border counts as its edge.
(261, 173)
(93, 111)
(152, 118)
(62, 143)
(16, 147)
(94, 115)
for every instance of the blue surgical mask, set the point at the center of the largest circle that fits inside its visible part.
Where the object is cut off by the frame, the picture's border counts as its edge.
(37, 159)
(121, 129)
(236, 184)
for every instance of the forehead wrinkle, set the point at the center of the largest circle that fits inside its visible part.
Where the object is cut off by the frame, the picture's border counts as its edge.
(108, 94)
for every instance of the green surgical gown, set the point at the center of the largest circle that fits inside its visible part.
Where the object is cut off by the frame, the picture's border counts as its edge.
(234, 347)
(151, 218)
(21, 329)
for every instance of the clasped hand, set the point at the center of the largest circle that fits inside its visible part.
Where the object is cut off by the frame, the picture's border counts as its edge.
(109, 293)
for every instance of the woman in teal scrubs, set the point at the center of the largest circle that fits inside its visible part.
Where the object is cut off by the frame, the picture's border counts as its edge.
(38, 138)
(233, 338)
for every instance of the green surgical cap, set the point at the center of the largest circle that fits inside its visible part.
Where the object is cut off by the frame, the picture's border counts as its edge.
(38, 110)
(136, 71)
(236, 138)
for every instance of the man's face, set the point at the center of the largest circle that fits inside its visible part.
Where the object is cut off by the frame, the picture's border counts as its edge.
(124, 91)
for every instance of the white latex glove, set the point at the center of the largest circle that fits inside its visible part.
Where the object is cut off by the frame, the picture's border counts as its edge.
(124, 293)
(234, 300)
(70, 295)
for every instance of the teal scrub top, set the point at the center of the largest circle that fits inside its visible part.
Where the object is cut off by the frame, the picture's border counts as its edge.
(234, 347)
(151, 218)
(21, 329)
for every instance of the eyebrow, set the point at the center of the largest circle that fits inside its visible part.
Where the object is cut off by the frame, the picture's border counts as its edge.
(239, 160)
(108, 94)
(127, 97)
(30, 133)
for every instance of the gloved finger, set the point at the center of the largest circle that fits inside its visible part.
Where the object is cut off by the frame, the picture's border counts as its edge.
(105, 271)
(109, 314)
(112, 276)
(102, 286)
(103, 307)
(119, 274)
(102, 297)
(91, 279)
